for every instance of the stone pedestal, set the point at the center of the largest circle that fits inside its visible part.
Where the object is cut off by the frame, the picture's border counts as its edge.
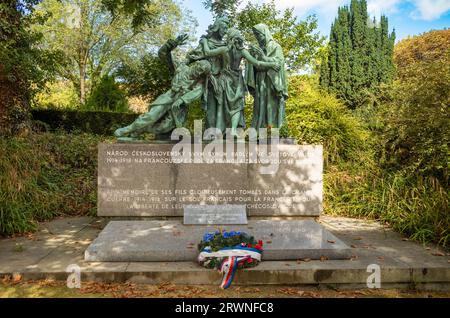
(138, 180)
(144, 180)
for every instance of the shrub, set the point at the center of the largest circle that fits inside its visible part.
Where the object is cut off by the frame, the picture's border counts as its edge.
(417, 114)
(425, 48)
(44, 176)
(107, 96)
(316, 117)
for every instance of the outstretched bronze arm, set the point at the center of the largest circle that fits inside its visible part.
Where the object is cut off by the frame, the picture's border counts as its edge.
(165, 52)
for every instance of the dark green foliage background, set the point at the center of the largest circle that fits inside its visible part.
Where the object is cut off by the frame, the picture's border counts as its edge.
(92, 122)
(148, 76)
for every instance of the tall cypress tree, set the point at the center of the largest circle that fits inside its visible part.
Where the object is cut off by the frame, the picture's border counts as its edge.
(360, 54)
(386, 51)
(343, 55)
(372, 54)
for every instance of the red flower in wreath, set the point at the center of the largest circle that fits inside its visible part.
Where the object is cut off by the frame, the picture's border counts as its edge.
(259, 245)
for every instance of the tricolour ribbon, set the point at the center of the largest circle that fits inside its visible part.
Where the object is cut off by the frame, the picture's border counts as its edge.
(234, 256)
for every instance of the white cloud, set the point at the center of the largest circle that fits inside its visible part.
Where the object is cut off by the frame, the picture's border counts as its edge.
(429, 10)
(378, 7)
(303, 7)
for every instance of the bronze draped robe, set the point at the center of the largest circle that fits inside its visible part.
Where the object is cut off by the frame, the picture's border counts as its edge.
(268, 87)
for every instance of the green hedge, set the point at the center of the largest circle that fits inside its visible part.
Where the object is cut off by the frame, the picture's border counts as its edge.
(93, 122)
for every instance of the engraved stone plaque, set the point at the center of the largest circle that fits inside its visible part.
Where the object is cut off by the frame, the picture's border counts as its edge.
(227, 214)
(141, 179)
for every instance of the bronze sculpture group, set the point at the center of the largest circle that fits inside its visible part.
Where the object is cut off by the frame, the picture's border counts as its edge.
(212, 72)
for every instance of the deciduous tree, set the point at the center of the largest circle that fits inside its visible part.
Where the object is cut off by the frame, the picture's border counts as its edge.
(24, 67)
(96, 36)
(298, 38)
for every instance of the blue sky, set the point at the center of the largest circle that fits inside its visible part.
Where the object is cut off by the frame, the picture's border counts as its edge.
(408, 17)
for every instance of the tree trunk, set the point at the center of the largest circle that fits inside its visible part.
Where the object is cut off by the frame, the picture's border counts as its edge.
(82, 82)
(82, 63)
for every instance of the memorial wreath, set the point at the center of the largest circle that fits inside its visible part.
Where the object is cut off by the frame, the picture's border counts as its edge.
(229, 251)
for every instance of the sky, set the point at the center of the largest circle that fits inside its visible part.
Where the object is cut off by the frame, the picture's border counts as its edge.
(408, 17)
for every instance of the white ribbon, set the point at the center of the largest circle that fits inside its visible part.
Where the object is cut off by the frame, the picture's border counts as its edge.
(225, 253)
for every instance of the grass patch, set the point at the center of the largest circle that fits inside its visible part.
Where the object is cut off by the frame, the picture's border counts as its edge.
(417, 208)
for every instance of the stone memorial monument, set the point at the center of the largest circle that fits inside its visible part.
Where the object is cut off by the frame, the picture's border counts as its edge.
(206, 181)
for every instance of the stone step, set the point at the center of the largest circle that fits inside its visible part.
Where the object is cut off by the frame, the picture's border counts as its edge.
(171, 241)
(335, 274)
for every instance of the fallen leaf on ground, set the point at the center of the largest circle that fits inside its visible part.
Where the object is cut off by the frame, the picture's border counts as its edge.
(6, 279)
(289, 291)
(353, 246)
(438, 254)
(31, 237)
(17, 278)
(330, 241)
(323, 258)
